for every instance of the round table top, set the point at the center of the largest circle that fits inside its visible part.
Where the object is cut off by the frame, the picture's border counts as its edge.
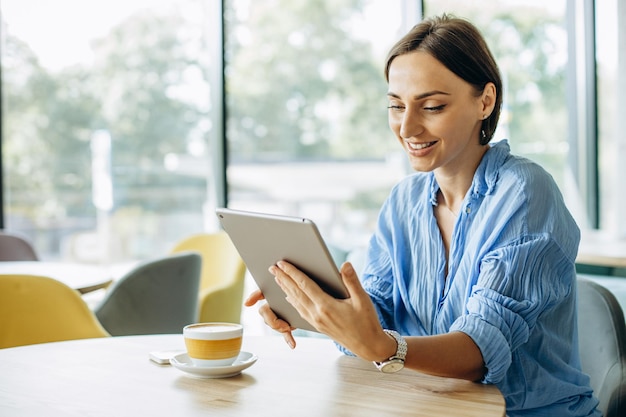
(81, 277)
(113, 376)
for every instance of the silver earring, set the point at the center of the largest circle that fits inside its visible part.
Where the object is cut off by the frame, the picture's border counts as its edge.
(483, 135)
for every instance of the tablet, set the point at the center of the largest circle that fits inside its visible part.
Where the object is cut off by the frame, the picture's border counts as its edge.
(264, 239)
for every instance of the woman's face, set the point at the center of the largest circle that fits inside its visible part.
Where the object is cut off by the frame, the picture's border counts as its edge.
(435, 115)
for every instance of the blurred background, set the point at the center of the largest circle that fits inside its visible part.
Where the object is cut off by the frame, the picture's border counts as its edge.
(125, 123)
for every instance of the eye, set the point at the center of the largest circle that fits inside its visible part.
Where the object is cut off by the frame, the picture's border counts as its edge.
(435, 109)
(395, 107)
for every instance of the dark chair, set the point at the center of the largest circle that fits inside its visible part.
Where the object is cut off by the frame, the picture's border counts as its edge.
(602, 340)
(158, 296)
(16, 248)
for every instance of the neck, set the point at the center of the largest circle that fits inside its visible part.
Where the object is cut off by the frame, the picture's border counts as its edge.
(454, 182)
(451, 207)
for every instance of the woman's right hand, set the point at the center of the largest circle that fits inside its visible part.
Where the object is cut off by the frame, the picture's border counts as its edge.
(270, 318)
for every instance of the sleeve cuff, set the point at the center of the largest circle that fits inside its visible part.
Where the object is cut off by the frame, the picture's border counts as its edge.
(492, 344)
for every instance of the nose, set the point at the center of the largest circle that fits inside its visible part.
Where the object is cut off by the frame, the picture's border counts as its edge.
(411, 125)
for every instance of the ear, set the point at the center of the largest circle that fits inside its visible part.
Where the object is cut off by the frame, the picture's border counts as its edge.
(487, 101)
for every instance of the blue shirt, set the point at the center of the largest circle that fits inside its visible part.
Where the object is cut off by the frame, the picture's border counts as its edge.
(510, 283)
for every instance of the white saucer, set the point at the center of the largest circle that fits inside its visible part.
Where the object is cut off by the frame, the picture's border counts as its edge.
(243, 361)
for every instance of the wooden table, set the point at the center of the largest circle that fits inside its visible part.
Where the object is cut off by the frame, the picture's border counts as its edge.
(114, 377)
(600, 249)
(83, 278)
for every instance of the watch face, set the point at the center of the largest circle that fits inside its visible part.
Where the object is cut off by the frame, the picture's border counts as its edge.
(393, 365)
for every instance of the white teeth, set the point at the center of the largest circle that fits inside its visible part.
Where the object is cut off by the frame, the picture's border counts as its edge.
(418, 146)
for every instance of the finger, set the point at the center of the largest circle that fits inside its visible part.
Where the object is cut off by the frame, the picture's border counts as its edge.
(350, 278)
(253, 298)
(297, 295)
(272, 320)
(278, 325)
(291, 341)
(299, 289)
(356, 292)
(298, 282)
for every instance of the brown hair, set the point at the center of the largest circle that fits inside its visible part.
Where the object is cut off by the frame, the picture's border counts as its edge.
(461, 48)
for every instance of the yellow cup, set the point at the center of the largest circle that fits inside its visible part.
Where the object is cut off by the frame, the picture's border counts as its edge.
(213, 344)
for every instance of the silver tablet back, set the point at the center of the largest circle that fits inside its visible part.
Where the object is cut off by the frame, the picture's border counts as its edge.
(264, 239)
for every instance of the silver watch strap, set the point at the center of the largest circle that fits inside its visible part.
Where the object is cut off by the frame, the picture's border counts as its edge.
(402, 346)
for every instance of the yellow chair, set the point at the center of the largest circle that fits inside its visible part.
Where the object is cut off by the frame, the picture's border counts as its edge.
(222, 277)
(36, 309)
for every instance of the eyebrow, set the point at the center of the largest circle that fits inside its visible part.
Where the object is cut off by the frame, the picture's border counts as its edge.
(421, 96)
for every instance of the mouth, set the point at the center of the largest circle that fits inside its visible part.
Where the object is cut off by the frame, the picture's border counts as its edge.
(420, 146)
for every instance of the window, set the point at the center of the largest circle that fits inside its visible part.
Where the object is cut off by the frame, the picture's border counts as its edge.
(108, 124)
(306, 103)
(610, 16)
(112, 113)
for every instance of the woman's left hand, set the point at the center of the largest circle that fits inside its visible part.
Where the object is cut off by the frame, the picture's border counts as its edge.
(351, 322)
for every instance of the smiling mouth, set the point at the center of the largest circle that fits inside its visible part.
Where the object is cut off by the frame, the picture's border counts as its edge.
(418, 146)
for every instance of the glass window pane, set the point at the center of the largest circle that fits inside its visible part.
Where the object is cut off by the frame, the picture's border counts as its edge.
(610, 63)
(306, 103)
(107, 124)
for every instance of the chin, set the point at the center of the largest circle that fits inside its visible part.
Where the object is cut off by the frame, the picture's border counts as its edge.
(418, 165)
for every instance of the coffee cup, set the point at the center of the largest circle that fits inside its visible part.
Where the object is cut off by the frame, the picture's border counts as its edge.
(213, 344)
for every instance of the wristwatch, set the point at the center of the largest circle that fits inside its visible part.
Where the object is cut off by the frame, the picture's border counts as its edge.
(395, 362)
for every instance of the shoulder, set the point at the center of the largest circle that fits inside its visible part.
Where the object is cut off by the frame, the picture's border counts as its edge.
(508, 173)
(507, 165)
(529, 202)
(530, 182)
(525, 172)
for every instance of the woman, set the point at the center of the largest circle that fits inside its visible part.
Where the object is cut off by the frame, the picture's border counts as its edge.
(472, 261)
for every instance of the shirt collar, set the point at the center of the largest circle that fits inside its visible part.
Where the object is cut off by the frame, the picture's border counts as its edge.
(486, 174)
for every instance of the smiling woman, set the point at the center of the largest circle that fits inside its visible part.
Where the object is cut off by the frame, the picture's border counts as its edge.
(487, 294)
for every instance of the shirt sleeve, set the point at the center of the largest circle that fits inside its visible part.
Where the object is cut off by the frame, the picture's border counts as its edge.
(516, 284)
